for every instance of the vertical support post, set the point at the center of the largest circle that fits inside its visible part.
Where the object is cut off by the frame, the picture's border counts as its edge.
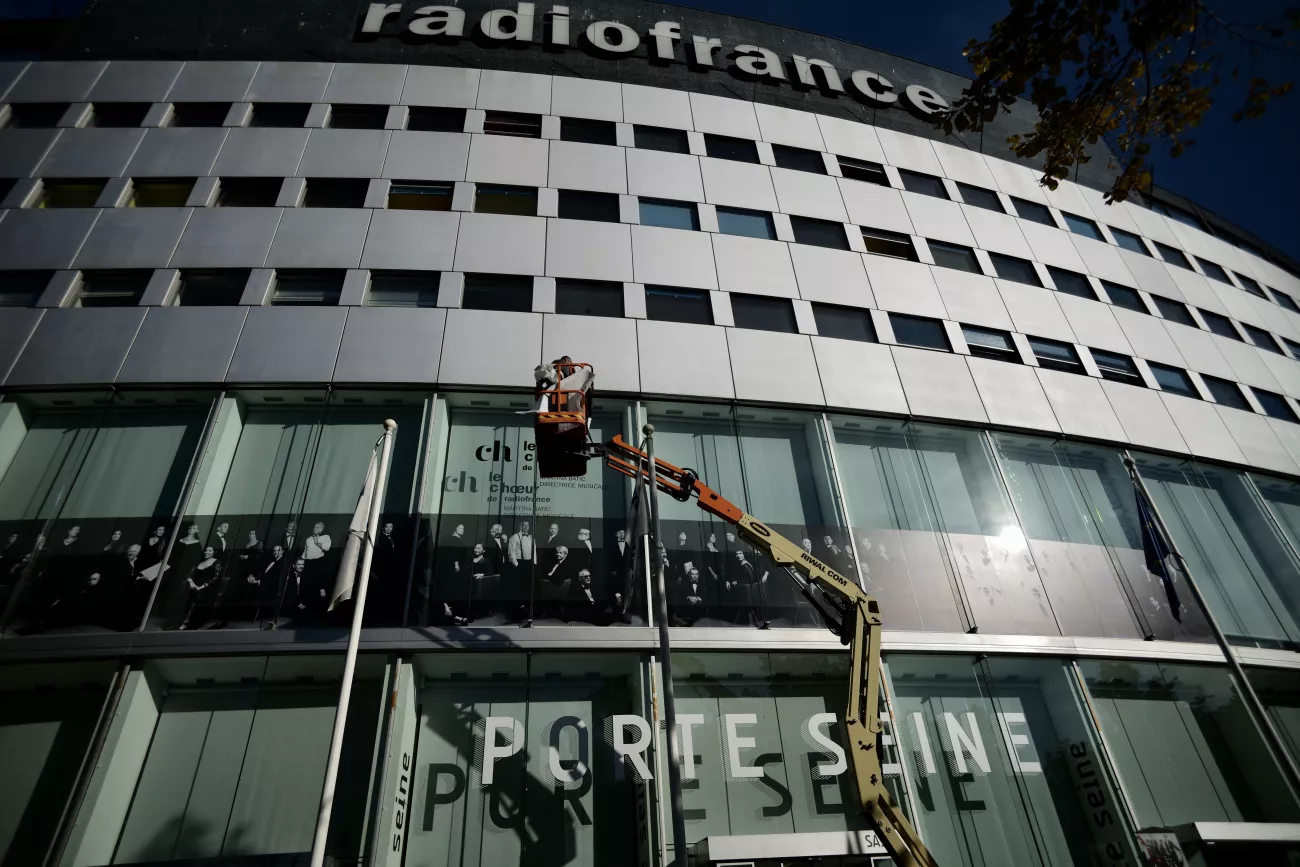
(665, 661)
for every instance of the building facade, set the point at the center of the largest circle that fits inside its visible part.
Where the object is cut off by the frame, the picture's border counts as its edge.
(234, 240)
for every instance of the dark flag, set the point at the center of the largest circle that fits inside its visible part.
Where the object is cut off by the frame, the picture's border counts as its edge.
(1159, 553)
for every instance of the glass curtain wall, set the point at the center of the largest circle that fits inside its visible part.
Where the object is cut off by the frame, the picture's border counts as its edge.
(265, 529)
(1279, 690)
(89, 485)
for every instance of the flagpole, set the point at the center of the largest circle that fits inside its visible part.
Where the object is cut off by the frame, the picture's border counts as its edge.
(1254, 707)
(350, 659)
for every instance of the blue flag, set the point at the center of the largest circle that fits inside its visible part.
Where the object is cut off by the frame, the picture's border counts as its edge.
(1159, 553)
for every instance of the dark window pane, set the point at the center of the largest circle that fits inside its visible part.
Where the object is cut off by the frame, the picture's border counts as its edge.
(1172, 379)
(1082, 226)
(1216, 272)
(600, 132)
(1055, 355)
(988, 343)
(1262, 338)
(1247, 283)
(403, 289)
(118, 114)
(916, 331)
(248, 192)
(336, 193)
(161, 192)
(762, 313)
(1274, 404)
(350, 116)
(845, 323)
(22, 288)
(588, 298)
(583, 205)
(208, 114)
(1174, 256)
(954, 256)
(1226, 392)
(498, 292)
(892, 244)
(725, 147)
(1178, 214)
(315, 287)
(218, 287)
(117, 288)
(1220, 325)
(753, 224)
(434, 119)
(513, 123)
(1114, 366)
(290, 114)
(798, 159)
(1122, 296)
(1282, 299)
(1174, 311)
(1071, 283)
(1011, 268)
(70, 193)
(36, 114)
(819, 233)
(667, 304)
(659, 138)
(1033, 211)
(420, 196)
(861, 170)
(669, 215)
(926, 185)
(521, 201)
(1291, 347)
(6, 184)
(980, 198)
(1129, 241)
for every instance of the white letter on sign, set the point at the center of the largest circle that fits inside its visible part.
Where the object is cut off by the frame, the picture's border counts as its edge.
(735, 743)
(633, 751)
(492, 752)
(841, 764)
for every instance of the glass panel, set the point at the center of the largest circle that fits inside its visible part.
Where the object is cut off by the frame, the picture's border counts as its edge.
(89, 486)
(1243, 567)
(753, 224)
(669, 215)
(1183, 745)
(555, 793)
(1003, 764)
(1279, 691)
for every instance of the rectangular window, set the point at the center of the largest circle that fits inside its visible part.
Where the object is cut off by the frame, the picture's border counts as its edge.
(248, 192)
(726, 147)
(661, 138)
(990, 343)
(1226, 392)
(1216, 272)
(581, 129)
(420, 195)
(1282, 299)
(428, 118)
(70, 193)
(1071, 283)
(1055, 355)
(336, 193)
(1275, 405)
(919, 331)
(216, 287)
(1129, 241)
(1173, 255)
(668, 304)
(118, 114)
(358, 116)
(281, 114)
(502, 199)
(1116, 367)
(762, 313)
(508, 292)
(22, 288)
(1291, 347)
(209, 114)
(513, 123)
(861, 170)
(1033, 212)
(24, 115)
(1082, 226)
(954, 256)
(1247, 283)
(1012, 268)
(752, 224)
(116, 288)
(892, 244)
(798, 159)
(1174, 311)
(589, 298)
(403, 289)
(1173, 379)
(845, 323)
(584, 205)
(669, 215)
(926, 185)
(819, 233)
(1122, 296)
(980, 198)
(1177, 214)
(1262, 338)
(308, 287)
(160, 192)
(1220, 325)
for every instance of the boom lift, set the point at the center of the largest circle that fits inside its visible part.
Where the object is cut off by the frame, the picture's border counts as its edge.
(849, 612)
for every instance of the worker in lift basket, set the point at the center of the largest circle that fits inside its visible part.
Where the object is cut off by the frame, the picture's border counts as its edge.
(547, 375)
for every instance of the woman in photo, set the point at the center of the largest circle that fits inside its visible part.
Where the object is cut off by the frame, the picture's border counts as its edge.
(186, 554)
(202, 586)
(152, 552)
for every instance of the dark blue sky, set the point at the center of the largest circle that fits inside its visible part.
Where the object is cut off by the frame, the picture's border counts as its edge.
(1244, 172)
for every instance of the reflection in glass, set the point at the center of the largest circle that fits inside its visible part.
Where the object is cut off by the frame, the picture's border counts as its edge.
(1279, 690)
(1184, 745)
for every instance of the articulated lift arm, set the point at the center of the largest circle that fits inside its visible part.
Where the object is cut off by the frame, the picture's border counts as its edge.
(850, 613)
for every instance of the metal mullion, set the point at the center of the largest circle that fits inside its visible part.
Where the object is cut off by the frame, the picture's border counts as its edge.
(837, 485)
(427, 423)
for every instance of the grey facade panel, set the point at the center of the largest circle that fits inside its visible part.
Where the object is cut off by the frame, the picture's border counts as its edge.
(44, 239)
(77, 347)
(288, 344)
(319, 238)
(183, 345)
(16, 327)
(90, 153)
(227, 238)
(57, 81)
(21, 150)
(272, 153)
(213, 81)
(135, 81)
(177, 153)
(391, 345)
(133, 238)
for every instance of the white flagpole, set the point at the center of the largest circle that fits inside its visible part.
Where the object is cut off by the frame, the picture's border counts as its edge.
(350, 660)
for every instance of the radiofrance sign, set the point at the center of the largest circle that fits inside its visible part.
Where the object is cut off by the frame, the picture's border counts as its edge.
(665, 42)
